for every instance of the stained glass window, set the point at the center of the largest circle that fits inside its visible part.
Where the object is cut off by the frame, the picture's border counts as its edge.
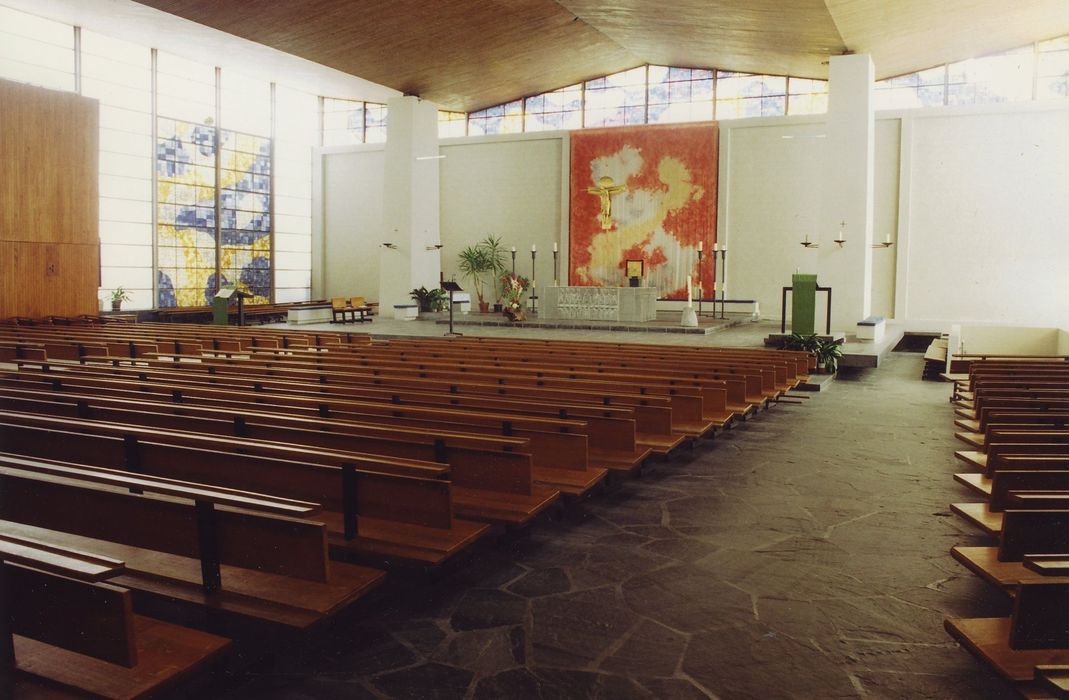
(188, 195)
(616, 99)
(1053, 68)
(807, 96)
(501, 119)
(452, 124)
(740, 95)
(348, 122)
(559, 109)
(680, 95)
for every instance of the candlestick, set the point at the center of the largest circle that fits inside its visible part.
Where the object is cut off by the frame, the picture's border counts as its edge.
(534, 296)
(556, 267)
(533, 248)
(554, 246)
(513, 261)
(701, 246)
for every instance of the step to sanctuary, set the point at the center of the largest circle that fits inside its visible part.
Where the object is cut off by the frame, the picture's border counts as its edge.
(666, 322)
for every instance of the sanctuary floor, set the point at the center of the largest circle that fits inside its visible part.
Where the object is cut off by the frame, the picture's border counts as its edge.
(804, 554)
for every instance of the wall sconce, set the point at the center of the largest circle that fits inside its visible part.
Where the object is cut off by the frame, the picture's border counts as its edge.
(806, 243)
(887, 242)
(842, 235)
(436, 246)
(391, 246)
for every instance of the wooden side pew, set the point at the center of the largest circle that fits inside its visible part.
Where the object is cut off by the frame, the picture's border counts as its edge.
(373, 513)
(69, 628)
(1035, 635)
(1023, 532)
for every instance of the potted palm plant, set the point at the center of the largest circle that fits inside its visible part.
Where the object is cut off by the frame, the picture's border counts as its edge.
(474, 264)
(495, 253)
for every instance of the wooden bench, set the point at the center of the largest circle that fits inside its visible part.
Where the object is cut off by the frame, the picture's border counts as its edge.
(491, 476)
(183, 544)
(558, 447)
(62, 624)
(375, 506)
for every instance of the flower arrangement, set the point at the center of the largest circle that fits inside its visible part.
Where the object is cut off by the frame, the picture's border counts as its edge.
(513, 287)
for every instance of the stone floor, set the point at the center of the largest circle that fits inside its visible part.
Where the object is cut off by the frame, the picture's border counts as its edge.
(802, 555)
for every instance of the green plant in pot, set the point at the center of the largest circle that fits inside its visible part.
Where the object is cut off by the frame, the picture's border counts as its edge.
(481, 262)
(474, 264)
(429, 299)
(496, 254)
(118, 296)
(827, 352)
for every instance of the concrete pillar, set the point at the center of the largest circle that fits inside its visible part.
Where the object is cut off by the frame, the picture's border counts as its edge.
(847, 191)
(410, 202)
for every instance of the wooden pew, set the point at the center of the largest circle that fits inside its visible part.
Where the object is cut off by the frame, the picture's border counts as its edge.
(62, 625)
(378, 507)
(235, 552)
(491, 476)
(611, 429)
(558, 447)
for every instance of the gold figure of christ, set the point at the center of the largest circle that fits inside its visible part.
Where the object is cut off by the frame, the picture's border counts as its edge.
(605, 190)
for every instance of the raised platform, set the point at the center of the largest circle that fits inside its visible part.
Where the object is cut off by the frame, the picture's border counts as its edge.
(666, 322)
(856, 353)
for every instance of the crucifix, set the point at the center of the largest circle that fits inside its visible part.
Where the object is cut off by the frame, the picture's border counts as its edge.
(604, 191)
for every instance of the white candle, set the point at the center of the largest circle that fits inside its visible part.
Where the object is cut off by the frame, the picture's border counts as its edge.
(554, 246)
(689, 295)
(887, 238)
(513, 249)
(716, 247)
(701, 246)
(533, 247)
(806, 238)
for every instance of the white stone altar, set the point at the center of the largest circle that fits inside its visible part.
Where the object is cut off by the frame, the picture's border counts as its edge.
(629, 304)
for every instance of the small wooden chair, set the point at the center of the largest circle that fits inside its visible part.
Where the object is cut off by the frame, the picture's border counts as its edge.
(358, 305)
(338, 306)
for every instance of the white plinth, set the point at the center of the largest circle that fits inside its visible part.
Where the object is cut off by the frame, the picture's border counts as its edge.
(871, 331)
(627, 304)
(406, 312)
(308, 314)
(689, 318)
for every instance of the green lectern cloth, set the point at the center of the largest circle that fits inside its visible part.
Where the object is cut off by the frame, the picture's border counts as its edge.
(804, 304)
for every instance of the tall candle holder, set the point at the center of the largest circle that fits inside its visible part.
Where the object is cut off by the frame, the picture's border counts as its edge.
(534, 294)
(723, 280)
(556, 267)
(513, 261)
(701, 288)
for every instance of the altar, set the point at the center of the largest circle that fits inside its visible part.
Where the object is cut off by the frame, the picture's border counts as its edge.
(628, 304)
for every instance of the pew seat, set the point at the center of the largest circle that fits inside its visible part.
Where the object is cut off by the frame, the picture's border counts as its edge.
(988, 639)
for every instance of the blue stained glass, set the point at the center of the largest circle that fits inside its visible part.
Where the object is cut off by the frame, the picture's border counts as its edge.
(257, 276)
(235, 237)
(166, 297)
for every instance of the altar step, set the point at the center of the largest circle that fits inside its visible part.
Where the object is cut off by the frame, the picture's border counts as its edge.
(666, 322)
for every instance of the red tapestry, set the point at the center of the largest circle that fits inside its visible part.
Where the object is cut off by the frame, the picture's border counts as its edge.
(644, 193)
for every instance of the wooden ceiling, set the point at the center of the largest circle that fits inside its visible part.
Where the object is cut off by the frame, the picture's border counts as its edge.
(470, 54)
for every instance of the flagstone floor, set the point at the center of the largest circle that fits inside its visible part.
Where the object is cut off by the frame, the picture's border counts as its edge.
(803, 554)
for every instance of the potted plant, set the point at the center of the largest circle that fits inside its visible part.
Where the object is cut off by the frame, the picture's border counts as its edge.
(429, 299)
(495, 253)
(483, 261)
(513, 287)
(475, 265)
(118, 297)
(827, 352)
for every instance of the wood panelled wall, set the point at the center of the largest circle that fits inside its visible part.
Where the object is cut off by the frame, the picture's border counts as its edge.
(49, 238)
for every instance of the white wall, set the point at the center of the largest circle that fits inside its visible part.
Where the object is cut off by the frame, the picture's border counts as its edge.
(508, 187)
(1008, 340)
(771, 175)
(351, 222)
(988, 212)
(974, 200)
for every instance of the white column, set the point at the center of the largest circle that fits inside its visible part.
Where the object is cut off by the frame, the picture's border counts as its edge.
(848, 191)
(410, 202)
